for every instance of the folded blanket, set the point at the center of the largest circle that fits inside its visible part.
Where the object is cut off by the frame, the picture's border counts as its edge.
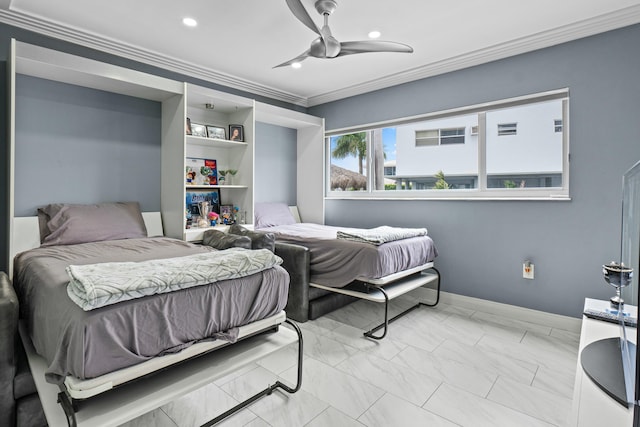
(97, 285)
(380, 235)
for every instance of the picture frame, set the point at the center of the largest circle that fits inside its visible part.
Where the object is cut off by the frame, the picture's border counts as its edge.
(198, 130)
(216, 132)
(236, 133)
(194, 197)
(188, 126)
(200, 171)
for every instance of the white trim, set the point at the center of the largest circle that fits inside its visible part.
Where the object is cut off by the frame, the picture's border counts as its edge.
(577, 30)
(552, 320)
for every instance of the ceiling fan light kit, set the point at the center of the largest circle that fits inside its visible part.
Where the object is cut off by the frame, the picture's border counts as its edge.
(326, 46)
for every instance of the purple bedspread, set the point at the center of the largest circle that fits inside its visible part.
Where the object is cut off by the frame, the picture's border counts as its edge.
(87, 344)
(336, 262)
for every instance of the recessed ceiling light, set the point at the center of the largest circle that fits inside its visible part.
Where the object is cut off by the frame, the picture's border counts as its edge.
(189, 22)
(296, 65)
(374, 34)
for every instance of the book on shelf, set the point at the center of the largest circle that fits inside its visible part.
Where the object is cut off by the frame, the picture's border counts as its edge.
(201, 171)
(193, 198)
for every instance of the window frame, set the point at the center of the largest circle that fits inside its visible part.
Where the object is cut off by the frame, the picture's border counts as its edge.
(482, 192)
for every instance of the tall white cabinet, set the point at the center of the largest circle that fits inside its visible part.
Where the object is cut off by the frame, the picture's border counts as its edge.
(179, 101)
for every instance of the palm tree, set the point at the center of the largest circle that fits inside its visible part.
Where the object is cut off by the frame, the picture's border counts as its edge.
(354, 144)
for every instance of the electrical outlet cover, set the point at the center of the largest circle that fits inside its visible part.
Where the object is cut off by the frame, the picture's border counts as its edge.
(527, 271)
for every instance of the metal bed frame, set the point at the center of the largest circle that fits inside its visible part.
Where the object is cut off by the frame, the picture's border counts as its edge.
(384, 289)
(71, 406)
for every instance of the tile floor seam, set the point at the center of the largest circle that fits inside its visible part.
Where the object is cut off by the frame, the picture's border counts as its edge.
(169, 417)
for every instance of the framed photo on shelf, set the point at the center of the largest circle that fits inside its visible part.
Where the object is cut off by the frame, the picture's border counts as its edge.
(216, 132)
(198, 130)
(193, 198)
(236, 132)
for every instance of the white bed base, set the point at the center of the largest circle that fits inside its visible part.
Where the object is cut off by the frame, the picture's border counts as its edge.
(386, 288)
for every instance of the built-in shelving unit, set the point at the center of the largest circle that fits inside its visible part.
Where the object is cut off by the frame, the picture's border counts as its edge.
(213, 108)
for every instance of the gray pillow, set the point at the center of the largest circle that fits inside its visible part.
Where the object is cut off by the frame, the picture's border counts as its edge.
(259, 239)
(66, 224)
(219, 240)
(272, 214)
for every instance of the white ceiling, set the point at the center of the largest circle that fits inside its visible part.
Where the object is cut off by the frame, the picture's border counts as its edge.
(238, 42)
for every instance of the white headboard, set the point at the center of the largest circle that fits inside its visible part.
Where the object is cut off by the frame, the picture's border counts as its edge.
(26, 233)
(295, 213)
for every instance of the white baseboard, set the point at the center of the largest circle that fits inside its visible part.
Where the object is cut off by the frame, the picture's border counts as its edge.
(571, 324)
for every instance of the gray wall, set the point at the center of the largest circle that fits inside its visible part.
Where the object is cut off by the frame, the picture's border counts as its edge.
(80, 145)
(482, 244)
(275, 170)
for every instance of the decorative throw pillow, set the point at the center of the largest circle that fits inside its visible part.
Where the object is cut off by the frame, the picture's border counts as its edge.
(65, 224)
(219, 240)
(272, 214)
(259, 239)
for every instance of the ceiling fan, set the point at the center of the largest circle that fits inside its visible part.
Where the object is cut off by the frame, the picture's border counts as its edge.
(326, 46)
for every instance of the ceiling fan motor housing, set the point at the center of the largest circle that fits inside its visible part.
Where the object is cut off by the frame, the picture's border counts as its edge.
(326, 7)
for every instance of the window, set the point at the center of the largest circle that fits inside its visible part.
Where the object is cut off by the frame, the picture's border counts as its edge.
(432, 157)
(439, 137)
(507, 129)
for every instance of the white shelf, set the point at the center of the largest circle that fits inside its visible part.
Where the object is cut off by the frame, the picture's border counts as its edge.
(206, 187)
(215, 142)
(196, 234)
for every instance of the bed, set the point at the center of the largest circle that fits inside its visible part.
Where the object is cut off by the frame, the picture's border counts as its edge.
(99, 340)
(373, 264)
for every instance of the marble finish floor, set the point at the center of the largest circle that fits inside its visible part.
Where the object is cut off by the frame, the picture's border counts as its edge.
(442, 366)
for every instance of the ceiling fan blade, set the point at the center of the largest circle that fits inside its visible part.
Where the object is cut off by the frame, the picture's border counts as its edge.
(300, 12)
(298, 58)
(350, 48)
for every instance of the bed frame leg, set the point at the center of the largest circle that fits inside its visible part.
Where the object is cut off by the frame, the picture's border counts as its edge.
(385, 324)
(68, 407)
(267, 391)
(437, 290)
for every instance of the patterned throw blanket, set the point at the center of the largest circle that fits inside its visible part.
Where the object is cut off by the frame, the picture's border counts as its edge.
(380, 235)
(97, 285)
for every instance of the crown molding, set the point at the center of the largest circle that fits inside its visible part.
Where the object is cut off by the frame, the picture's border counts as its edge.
(125, 50)
(575, 31)
(585, 28)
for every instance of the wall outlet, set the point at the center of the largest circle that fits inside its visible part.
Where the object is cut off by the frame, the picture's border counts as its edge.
(527, 270)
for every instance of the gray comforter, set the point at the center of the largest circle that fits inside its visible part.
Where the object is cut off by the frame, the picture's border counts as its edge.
(87, 344)
(336, 262)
